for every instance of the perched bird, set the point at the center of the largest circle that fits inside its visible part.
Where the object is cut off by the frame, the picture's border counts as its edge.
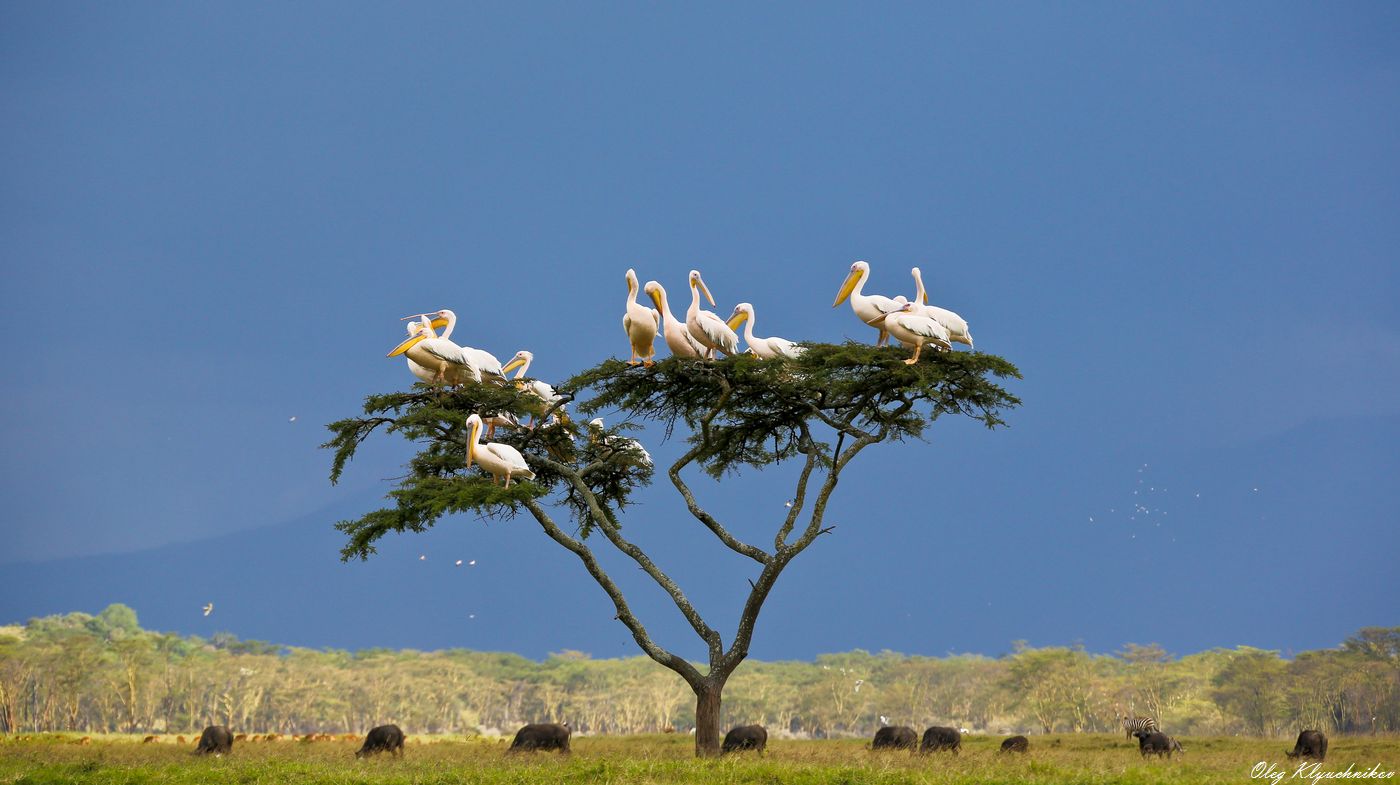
(208, 608)
(706, 327)
(539, 389)
(956, 325)
(767, 348)
(871, 308)
(500, 460)
(485, 361)
(618, 449)
(445, 360)
(415, 326)
(915, 330)
(678, 337)
(640, 324)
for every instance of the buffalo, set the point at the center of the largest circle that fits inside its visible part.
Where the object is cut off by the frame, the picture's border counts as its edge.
(895, 737)
(216, 739)
(385, 738)
(940, 738)
(745, 737)
(1016, 744)
(1310, 744)
(542, 736)
(1156, 743)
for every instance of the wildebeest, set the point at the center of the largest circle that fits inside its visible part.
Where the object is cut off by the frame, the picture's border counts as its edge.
(940, 738)
(385, 738)
(542, 736)
(216, 739)
(1310, 744)
(1156, 743)
(745, 737)
(1016, 744)
(895, 737)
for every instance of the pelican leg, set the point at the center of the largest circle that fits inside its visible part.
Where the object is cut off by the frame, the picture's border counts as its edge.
(918, 347)
(633, 359)
(507, 479)
(884, 338)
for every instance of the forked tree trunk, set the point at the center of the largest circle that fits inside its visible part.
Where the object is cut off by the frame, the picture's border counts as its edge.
(708, 737)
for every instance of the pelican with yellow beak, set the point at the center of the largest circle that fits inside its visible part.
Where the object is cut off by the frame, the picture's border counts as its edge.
(766, 348)
(871, 308)
(640, 323)
(956, 325)
(486, 362)
(915, 329)
(706, 327)
(678, 337)
(539, 389)
(444, 359)
(501, 460)
(414, 328)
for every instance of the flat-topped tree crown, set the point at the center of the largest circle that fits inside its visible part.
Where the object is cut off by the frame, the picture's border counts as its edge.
(822, 408)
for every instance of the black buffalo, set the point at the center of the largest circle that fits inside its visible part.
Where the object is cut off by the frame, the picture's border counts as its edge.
(216, 739)
(542, 736)
(745, 737)
(897, 737)
(1016, 744)
(939, 738)
(1156, 743)
(385, 738)
(1310, 744)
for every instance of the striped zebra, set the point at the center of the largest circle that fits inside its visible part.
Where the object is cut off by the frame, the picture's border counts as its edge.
(1132, 725)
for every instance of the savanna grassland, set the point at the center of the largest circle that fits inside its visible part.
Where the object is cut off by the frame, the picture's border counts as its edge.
(1067, 758)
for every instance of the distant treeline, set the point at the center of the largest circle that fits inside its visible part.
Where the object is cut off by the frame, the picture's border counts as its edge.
(103, 673)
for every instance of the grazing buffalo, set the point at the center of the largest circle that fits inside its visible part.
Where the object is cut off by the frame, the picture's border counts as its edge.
(895, 737)
(216, 739)
(1156, 743)
(1310, 744)
(745, 737)
(542, 736)
(939, 738)
(1016, 744)
(385, 738)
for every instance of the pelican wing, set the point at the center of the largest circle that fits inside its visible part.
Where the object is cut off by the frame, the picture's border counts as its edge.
(452, 354)
(510, 457)
(486, 362)
(956, 325)
(782, 347)
(713, 332)
(921, 326)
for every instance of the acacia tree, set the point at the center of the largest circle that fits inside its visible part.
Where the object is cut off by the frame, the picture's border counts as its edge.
(821, 410)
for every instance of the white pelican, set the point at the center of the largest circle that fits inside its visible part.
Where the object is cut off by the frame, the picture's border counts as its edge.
(629, 452)
(767, 348)
(869, 308)
(640, 323)
(415, 327)
(957, 326)
(539, 389)
(501, 460)
(915, 330)
(444, 359)
(705, 327)
(678, 336)
(486, 362)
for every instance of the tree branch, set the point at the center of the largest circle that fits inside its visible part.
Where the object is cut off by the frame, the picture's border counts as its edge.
(734, 544)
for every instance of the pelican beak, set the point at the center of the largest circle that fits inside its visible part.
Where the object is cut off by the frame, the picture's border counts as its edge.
(706, 290)
(513, 364)
(439, 323)
(415, 316)
(406, 345)
(737, 319)
(655, 296)
(847, 287)
(471, 443)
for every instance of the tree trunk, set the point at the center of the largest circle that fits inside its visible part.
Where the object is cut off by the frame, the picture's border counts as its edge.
(708, 737)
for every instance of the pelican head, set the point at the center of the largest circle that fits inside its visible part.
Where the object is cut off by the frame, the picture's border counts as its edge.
(522, 358)
(919, 279)
(473, 435)
(631, 282)
(859, 272)
(656, 293)
(742, 311)
(696, 281)
(417, 331)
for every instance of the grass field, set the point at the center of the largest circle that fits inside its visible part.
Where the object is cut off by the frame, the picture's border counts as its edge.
(1079, 759)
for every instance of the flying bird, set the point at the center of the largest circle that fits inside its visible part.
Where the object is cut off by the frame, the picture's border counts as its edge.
(640, 323)
(766, 348)
(706, 327)
(208, 608)
(869, 308)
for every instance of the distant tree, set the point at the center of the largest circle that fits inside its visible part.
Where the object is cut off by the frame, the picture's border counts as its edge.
(1252, 686)
(115, 621)
(821, 410)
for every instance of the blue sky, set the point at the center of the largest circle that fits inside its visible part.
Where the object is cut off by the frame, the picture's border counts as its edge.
(1177, 220)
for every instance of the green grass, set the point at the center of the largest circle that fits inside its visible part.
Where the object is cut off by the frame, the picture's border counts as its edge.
(1086, 759)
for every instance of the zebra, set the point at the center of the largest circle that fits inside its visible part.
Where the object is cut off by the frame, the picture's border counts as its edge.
(1132, 725)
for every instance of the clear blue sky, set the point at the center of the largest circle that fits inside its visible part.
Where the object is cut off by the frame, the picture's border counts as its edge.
(1179, 220)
